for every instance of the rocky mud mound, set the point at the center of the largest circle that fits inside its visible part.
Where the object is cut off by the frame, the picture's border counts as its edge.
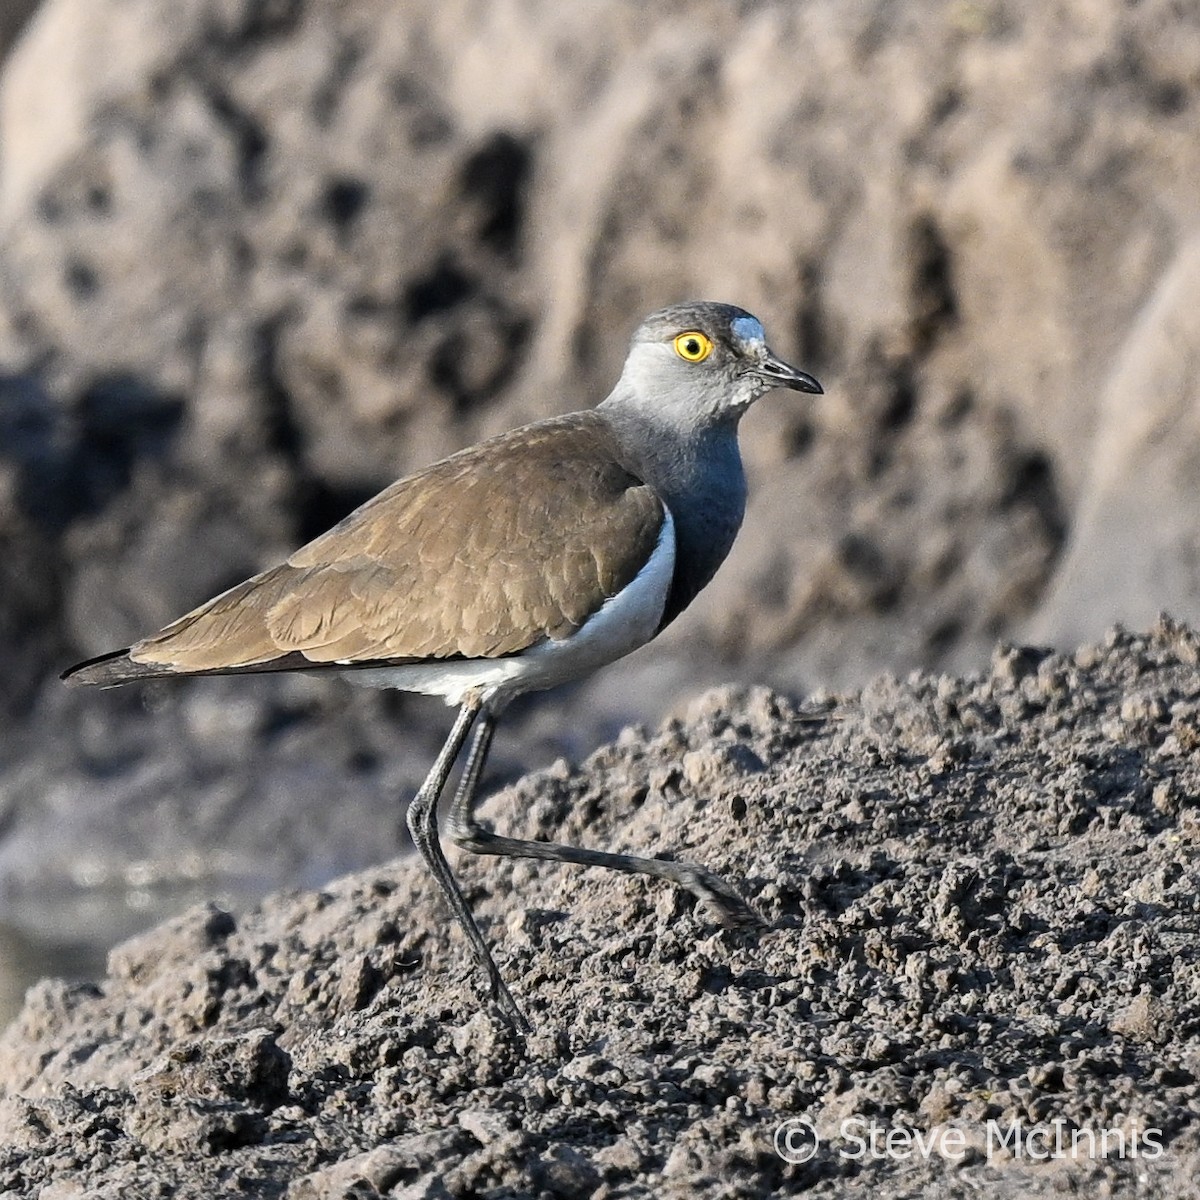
(985, 921)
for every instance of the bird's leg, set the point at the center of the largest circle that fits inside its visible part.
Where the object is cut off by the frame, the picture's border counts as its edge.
(466, 831)
(422, 825)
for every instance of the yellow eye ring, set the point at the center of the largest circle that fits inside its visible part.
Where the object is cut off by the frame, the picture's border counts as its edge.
(693, 346)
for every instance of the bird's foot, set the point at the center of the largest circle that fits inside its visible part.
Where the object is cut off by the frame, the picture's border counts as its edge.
(508, 1007)
(729, 908)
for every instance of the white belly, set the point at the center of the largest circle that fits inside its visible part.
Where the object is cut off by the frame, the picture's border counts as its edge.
(625, 621)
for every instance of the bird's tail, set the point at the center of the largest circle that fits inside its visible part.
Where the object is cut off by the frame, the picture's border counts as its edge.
(116, 668)
(113, 669)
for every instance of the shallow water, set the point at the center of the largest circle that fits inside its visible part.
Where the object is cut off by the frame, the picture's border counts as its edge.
(67, 934)
(25, 959)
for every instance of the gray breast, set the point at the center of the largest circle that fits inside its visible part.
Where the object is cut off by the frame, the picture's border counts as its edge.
(700, 478)
(707, 519)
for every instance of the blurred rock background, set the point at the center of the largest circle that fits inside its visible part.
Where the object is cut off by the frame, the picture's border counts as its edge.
(260, 257)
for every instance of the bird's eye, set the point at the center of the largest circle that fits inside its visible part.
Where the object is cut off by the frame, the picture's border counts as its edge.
(693, 345)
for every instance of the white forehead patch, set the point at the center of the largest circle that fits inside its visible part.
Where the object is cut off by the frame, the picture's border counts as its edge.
(747, 329)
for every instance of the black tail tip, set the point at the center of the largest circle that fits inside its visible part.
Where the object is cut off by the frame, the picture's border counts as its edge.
(106, 669)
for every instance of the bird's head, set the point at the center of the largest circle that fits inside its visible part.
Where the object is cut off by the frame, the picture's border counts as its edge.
(701, 364)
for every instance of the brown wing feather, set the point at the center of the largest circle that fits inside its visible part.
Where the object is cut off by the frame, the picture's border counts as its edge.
(483, 554)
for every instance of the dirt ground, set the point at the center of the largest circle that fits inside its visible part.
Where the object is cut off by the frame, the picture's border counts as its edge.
(984, 947)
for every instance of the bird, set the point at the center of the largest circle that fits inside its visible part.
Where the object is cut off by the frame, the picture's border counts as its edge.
(528, 560)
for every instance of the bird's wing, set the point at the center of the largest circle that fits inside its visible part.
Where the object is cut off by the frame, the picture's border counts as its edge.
(484, 554)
